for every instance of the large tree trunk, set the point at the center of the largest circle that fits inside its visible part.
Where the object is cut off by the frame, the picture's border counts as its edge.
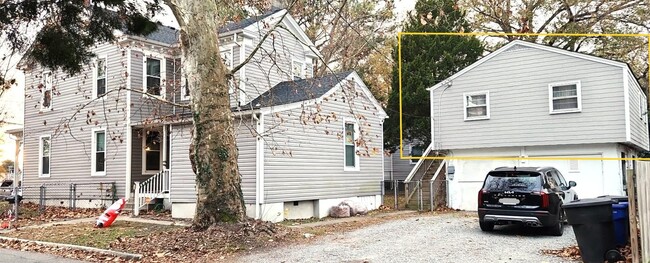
(213, 151)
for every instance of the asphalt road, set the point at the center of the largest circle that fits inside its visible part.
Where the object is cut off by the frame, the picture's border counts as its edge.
(15, 256)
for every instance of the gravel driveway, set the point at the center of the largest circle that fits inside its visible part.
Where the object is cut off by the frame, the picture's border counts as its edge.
(452, 237)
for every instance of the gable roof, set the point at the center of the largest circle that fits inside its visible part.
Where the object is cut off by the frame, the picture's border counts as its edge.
(536, 46)
(298, 90)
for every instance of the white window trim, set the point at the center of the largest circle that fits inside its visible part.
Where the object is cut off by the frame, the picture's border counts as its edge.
(40, 156)
(578, 95)
(46, 88)
(302, 69)
(357, 166)
(487, 104)
(144, 154)
(105, 57)
(93, 171)
(163, 74)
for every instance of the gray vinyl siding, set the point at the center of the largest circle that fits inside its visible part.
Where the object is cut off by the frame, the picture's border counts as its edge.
(247, 148)
(401, 168)
(225, 43)
(236, 59)
(183, 184)
(136, 157)
(517, 81)
(183, 180)
(145, 108)
(272, 62)
(306, 161)
(638, 127)
(71, 148)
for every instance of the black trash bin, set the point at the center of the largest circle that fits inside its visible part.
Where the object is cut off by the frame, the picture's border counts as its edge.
(592, 224)
(621, 218)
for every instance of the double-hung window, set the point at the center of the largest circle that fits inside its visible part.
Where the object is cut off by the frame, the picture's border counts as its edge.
(46, 91)
(99, 152)
(350, 147)
(100, 77)
(153, 80)
(44, 156)
(477, 105)
(564, 97)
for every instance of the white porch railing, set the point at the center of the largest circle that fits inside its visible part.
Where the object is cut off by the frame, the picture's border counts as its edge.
(155, 187)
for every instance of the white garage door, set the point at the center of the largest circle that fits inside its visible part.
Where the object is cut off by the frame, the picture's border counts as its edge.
(588, 174)
(468, 179)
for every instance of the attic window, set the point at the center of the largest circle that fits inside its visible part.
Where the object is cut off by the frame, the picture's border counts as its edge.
(297, 69)
(46, 99)
(565, 97)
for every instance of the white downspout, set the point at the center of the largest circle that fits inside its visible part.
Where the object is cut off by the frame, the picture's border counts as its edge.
(259, 165)
(129, 132)
(432, 114)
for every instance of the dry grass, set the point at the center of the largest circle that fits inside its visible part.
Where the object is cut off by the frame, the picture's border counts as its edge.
(87, 235)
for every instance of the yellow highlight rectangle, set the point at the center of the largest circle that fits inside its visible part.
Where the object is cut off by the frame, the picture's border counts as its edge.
(399, 58)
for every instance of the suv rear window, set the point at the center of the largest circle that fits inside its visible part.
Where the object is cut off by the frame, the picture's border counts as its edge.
(513, 181)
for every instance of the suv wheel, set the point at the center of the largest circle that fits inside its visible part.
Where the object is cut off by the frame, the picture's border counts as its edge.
(486, 226)
(558, 228)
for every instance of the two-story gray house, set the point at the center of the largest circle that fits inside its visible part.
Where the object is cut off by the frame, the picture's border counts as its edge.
(535, 101)
(305, 143)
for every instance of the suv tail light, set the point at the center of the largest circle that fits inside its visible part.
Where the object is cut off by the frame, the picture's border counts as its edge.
(480, 197)
(545, 199)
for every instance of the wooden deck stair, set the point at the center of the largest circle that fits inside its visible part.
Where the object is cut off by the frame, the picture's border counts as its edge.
(419, 188)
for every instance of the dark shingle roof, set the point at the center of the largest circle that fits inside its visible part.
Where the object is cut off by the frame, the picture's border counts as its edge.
(169, 35)
(164, 34)
(297, 90)
(232, 26)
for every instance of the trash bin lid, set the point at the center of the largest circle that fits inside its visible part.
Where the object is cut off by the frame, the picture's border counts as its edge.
(621, 205)
(588, 202)
(615, 198)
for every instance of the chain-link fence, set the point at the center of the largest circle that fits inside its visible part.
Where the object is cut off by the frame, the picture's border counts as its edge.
(422, 195)
(70, 195)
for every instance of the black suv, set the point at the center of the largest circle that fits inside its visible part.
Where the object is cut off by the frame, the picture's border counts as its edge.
(532, 196)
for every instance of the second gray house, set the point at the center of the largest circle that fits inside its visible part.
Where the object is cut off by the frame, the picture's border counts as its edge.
(559, 108)
(305, 144)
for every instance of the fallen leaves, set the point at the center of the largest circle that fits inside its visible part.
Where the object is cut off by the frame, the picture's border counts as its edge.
(29, 214)
(573, 253)
(570, 252)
